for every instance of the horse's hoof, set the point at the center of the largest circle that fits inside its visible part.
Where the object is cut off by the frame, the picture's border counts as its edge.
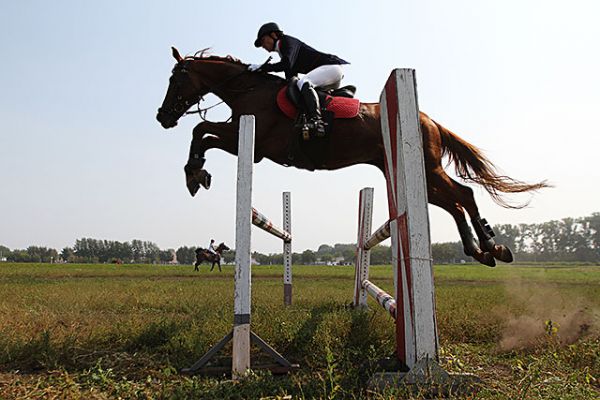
(485, 259)
(488, 259)
(192, 186)
(205, 179)
(503, 253)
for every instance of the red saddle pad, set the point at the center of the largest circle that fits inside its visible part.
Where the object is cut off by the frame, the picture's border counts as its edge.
(341, 107)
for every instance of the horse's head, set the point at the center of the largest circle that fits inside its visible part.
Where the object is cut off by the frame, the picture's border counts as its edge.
(193, 77)
(222, 247)
(182, 93)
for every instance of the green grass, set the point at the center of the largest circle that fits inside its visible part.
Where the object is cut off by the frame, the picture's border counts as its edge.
(109, 331)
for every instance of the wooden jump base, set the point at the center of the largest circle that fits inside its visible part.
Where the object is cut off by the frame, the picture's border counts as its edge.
(245, 217)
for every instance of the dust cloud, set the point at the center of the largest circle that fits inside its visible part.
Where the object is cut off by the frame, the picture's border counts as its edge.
(537, 313)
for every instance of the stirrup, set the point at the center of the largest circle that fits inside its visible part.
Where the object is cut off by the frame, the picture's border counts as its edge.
(317, 125)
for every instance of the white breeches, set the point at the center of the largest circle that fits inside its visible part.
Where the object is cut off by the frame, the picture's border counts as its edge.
(324, 75)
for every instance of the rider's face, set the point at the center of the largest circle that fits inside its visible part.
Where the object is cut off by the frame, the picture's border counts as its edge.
(267, 42)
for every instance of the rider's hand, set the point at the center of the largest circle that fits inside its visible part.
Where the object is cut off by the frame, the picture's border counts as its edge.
(253, 67)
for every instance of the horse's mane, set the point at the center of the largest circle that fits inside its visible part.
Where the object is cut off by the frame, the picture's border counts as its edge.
(203, 54)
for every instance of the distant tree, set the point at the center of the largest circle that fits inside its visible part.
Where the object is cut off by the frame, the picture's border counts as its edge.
(165, 256)
(186, 255)
(277, 258)
(151, 252)
(349, 255)
(18, 256)
(262, 259)
(67, 254)
(449, 252)
(327, 257)
(323, 250)
(229, 256)
(591, 231)
(4, 251)
(137, 251)
(508, 235)
(381, 254)
(308, 257)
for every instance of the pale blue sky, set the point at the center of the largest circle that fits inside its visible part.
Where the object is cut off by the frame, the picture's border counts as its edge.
(81, 153)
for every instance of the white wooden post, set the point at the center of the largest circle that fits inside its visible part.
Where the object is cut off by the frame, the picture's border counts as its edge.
(363, 256)
(416, 329)
(242, 295)
(287, 250)
(246, 216)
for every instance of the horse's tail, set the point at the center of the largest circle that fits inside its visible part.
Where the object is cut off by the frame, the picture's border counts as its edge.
(472, 165)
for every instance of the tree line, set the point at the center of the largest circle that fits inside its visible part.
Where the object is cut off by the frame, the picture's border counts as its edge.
(568, 239)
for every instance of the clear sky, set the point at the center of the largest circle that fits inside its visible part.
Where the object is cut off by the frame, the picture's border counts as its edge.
(81, 154)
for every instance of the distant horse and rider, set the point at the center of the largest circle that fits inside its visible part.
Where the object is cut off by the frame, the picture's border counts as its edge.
(212, 255)
(350, 139)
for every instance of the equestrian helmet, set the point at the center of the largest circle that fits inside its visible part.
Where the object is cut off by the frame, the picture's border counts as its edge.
(265, 30)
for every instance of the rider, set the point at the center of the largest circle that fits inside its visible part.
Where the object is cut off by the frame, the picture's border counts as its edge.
(211, 247)
(320, 69)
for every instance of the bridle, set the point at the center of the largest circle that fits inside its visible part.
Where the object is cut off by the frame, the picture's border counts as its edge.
(181, 105)
(179, 79)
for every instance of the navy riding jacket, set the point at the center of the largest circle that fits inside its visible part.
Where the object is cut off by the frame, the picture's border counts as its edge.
(298, 57)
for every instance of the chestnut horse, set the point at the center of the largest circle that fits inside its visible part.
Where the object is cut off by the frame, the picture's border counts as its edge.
(352, 141)
(205, 255)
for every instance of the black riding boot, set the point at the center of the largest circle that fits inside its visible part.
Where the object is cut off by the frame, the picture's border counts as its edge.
(313, 109)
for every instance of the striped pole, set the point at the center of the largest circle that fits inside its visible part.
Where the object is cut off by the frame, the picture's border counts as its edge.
(383, 298)
(266, 225)
(416, 329)
(378, 236)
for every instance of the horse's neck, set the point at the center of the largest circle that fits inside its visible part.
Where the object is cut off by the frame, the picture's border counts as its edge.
(218, 76)
(229, 83)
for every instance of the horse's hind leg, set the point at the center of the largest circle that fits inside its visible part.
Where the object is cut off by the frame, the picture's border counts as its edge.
(442, 194)
(196, 266)
(484, 232)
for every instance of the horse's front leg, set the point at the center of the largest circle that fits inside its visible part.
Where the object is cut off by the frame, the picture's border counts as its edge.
(207, 135)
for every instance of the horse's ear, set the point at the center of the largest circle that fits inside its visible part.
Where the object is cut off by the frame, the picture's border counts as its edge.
(176, 54)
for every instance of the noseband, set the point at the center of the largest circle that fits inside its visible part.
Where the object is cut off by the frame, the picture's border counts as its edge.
(180, 78)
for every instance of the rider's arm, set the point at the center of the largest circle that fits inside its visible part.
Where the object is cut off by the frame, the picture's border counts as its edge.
(276, 67)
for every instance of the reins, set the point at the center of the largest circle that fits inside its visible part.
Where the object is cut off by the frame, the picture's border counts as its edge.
(203, 111)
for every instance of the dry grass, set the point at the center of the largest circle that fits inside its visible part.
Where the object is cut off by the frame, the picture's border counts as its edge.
(104, 331)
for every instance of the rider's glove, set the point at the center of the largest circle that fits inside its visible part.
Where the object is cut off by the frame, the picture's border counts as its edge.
(253, 67)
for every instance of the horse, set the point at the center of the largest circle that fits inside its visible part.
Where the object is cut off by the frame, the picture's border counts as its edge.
(351, 141)
(205, 255)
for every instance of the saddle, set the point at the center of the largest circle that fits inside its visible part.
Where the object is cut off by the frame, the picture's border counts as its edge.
(337, 102)
(206, 253)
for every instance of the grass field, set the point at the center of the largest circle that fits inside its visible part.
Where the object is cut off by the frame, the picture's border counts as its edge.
(108, 331)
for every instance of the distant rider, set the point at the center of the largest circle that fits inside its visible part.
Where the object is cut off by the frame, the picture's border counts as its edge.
(211, 247)
(320, 69)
